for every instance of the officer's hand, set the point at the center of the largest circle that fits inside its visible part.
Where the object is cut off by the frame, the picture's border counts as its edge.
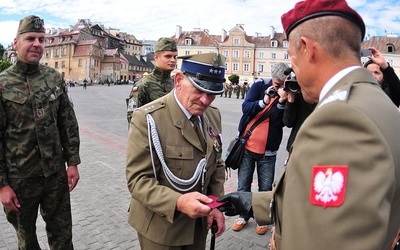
(237, 203)
(9, 199)
(193, 204)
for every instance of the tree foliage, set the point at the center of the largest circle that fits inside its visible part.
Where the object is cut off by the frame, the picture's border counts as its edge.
(2, 49)
(234, 78)
(4, 65)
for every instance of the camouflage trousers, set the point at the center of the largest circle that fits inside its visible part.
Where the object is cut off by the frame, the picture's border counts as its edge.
(51, 194)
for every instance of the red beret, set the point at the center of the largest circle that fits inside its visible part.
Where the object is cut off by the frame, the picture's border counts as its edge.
(306, 10)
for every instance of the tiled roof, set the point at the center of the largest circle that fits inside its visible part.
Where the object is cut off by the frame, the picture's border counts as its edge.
(381, 43)
(199, 38)
(83, 50)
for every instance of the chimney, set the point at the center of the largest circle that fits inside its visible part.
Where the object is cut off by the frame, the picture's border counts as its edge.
(53, 30)
(272, 32)
(178, 31)
(70, 28)
(223, 35)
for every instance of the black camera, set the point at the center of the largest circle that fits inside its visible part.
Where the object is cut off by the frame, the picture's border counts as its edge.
(271, 92)
(291, 84)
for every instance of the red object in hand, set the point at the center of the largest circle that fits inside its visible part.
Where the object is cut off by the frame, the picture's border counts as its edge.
(215, 203)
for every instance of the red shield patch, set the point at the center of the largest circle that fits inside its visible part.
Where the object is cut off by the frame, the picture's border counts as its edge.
(328, 187)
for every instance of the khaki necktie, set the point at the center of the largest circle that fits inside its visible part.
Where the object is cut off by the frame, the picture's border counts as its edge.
(197, 128)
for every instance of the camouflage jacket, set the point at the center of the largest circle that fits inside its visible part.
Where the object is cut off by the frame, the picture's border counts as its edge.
(38, 128)
(156, 84)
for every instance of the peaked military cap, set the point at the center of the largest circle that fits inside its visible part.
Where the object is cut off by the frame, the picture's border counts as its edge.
(165, 44)
(309, 9)
(31, 24)
(205, 71)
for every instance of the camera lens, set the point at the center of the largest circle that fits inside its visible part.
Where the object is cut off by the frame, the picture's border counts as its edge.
(271, 92)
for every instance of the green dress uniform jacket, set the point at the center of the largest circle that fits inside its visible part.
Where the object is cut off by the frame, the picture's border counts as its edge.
(355, 125)
(38, 127)
(153, 205)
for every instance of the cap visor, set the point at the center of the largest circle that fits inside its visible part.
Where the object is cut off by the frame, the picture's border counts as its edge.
(213, 88)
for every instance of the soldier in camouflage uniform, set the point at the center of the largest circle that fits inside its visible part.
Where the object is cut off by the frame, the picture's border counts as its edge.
(157, 83)
(39, 135)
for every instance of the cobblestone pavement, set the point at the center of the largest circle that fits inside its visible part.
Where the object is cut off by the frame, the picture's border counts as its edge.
(101, 198)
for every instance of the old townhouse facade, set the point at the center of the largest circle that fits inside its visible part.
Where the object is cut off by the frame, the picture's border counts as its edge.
(88, 51)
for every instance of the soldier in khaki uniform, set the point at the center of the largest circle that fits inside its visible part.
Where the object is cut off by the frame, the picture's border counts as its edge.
(158, 82)
(38, 136)
(341, 185)
(170, 178)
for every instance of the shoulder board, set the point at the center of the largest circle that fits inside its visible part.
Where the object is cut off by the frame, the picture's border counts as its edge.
(339, 95)
(152, 106)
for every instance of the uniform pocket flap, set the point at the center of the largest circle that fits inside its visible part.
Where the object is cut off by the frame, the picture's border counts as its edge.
(179, 152)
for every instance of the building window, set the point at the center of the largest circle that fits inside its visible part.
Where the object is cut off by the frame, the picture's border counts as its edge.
(187, 52)
(235, 67)
(274, 44)
(247, 54)
(286, 56)
(47, 53)
(63, 64)
(246, 67)
(64, 51)
(225, 53)
(285, 44)
(56, 65)
(236, 41)
(188, 41)
(199, 52)
(260, 68)
(57, 52)
(226, 66)
(273, 55)
(261, 55)
(236, 53)
(390, 62)
(80, 63)
(390, 48)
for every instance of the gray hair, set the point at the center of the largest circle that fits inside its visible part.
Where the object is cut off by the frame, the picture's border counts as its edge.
(278, 70)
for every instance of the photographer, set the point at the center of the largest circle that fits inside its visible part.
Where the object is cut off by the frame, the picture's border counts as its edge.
(296, 109)
(261, 148)
(384, 74)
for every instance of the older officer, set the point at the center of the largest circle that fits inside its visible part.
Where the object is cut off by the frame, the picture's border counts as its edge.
(170, 178)
(38, 136)
(157, 83)
(341, 187)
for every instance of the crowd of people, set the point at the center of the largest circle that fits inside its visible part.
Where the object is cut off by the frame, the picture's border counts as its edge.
(340, 188)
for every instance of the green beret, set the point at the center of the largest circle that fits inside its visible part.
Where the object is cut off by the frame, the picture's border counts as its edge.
(31, 24)
(165, 44)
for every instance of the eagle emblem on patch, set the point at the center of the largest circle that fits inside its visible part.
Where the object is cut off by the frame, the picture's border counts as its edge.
(38, 23)
(328, 186)
(216, 61)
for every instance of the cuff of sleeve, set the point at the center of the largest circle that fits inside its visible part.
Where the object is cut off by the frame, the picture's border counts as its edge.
(262, 104)
(74, 160)
(3, 181)
(280, 106)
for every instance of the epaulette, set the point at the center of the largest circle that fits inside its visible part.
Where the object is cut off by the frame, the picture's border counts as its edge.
(153, 106)
(340, 95)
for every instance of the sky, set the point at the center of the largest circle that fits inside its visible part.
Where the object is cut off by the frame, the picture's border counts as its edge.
(151, 19)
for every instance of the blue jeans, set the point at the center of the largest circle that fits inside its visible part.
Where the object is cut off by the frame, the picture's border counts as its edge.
(265, 172)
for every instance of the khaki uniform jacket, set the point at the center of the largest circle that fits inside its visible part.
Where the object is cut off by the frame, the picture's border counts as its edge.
(153, 206)
(355, 125)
